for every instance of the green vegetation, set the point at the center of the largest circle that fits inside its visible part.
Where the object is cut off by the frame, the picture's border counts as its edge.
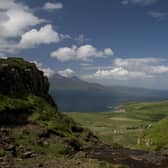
(45, 120)
(157, 136)
(50, 135)
(111, 129)
(151, 112)
(133, 125)
(13, 103)
(16, 63)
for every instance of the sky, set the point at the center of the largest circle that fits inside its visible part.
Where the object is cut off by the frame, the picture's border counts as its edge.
(112, 42)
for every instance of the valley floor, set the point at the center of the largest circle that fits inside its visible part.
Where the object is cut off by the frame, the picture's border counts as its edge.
(135, 134)
(133, 125)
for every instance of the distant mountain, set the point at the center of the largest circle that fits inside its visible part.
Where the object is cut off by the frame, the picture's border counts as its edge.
(74, 94)
(72, 84)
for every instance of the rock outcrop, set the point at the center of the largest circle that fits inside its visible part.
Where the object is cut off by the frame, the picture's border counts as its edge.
(19, 78)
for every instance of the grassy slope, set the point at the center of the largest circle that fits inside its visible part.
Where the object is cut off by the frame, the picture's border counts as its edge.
(157, 136)
(45, 116)
(132, 128)
(48, 134)
(53, 137)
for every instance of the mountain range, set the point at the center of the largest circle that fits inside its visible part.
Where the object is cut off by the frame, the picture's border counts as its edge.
(75, 95)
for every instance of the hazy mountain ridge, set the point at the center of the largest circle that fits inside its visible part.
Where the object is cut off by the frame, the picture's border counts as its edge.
(72, 84)
(92, 97)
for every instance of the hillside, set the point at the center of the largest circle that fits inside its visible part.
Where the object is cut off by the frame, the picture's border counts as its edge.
(32, 131)
(59, 82)
(92, 97)
(156, 137)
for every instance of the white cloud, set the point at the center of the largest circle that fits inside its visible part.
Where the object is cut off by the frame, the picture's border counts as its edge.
(138, 2)
(108, 51)
(45, 35)
(67, 72)
(118, 73)
(47, 71)
(131, 68)
(158, 15)
(49, 6)
(147, 65)
(83, 53)
(64, 54)
(10, 4)
(17, 21)
(86, 51)
(159, 69)
(18, 18)
(3, 17)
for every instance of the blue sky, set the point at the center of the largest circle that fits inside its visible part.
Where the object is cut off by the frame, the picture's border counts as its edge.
(113, 42)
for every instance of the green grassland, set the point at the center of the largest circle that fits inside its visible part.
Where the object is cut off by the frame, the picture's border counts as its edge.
(32, 124)
(133, 125)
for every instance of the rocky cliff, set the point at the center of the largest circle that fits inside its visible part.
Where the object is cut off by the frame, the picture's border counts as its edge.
(19, 78)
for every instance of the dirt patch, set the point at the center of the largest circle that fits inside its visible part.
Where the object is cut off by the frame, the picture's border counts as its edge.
(131, 158)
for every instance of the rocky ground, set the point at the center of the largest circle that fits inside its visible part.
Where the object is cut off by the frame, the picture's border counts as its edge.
(131, 158)
(13, 155)
(10, 151)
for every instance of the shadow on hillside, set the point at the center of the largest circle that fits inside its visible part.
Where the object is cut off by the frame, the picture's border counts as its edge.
(14, 117)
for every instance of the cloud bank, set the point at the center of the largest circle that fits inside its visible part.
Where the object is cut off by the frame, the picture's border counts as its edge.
(18, 27)
(131, 68)
(83, 53)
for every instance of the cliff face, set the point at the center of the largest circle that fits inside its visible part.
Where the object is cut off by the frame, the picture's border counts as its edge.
(19, 78)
